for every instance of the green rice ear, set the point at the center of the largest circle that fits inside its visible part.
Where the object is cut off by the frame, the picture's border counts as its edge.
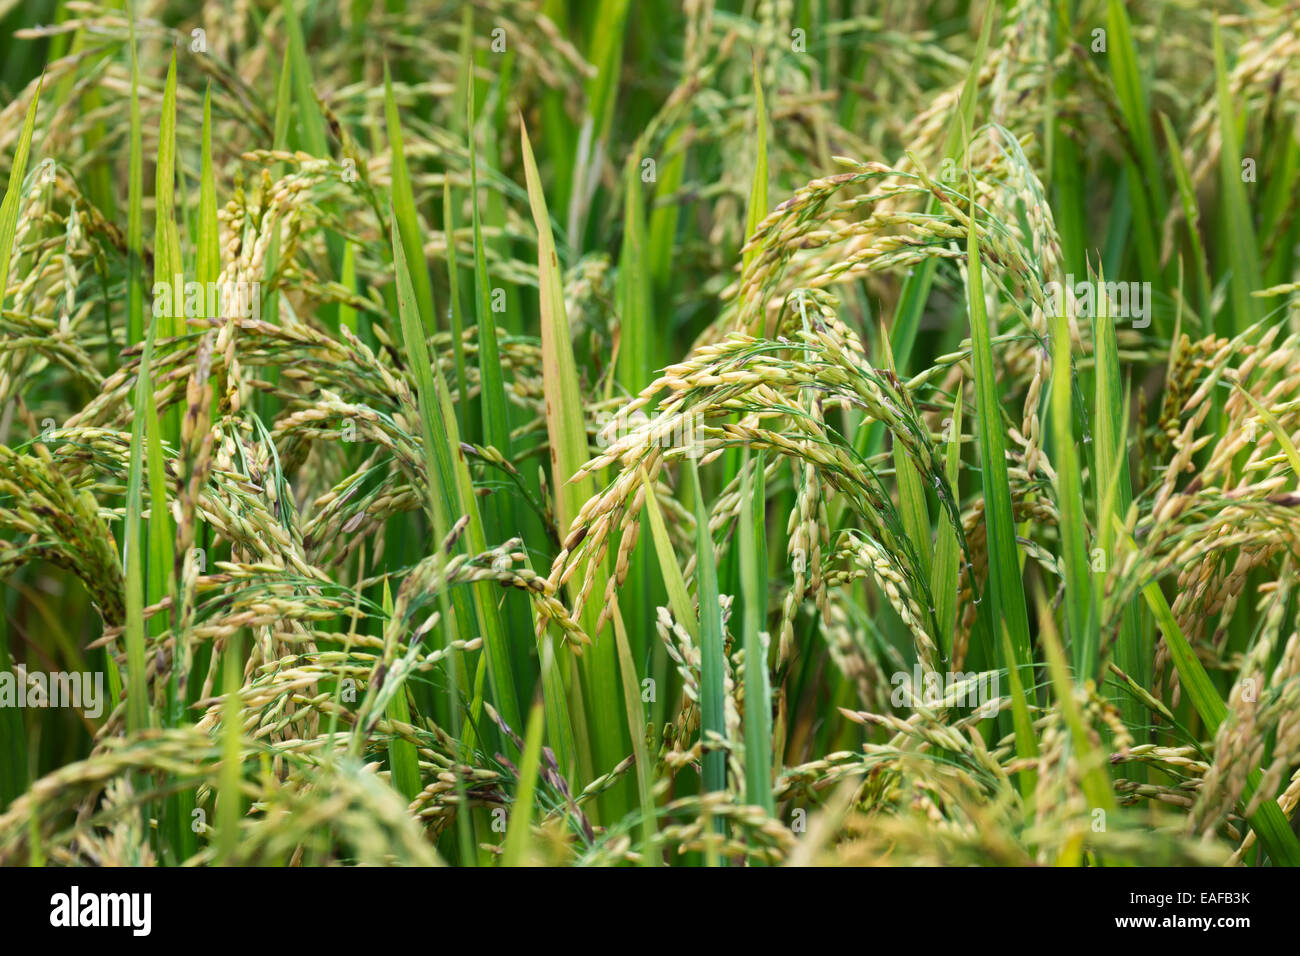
(660, 436)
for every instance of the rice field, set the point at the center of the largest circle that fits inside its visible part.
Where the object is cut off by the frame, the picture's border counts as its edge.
(851, 432)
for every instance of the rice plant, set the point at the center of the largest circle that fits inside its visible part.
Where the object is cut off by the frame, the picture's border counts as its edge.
(707, 434)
